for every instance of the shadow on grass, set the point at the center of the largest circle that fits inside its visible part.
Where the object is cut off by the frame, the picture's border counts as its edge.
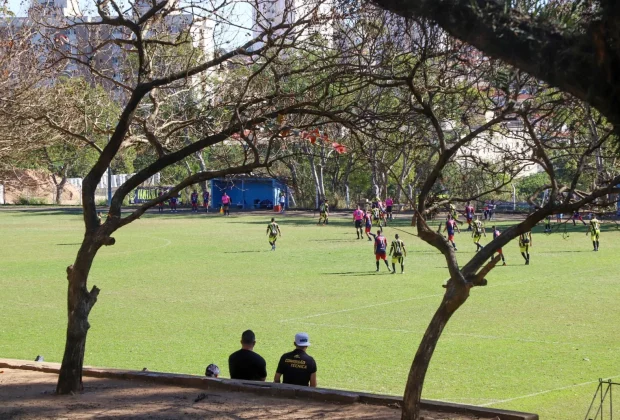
(68, 244)
(245, 252)
(358, 273)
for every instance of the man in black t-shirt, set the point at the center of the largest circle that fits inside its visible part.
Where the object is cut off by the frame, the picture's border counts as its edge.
(245, 363)
(297, 367)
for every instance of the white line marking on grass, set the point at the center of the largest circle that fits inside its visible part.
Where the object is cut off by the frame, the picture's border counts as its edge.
(445, 334)
(535, 394)
(374, 305)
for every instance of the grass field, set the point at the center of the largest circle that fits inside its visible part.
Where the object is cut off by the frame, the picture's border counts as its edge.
(178, 290)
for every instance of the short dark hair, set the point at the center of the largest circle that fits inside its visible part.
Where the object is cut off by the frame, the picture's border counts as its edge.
(273, 220)
(248, 337)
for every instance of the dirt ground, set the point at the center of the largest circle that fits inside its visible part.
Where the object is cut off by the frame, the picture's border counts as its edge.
(28, 183)
(30, 395)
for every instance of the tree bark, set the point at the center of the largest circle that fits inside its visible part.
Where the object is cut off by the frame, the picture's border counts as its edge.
(79, 304)
(203, 168)
(452, 300)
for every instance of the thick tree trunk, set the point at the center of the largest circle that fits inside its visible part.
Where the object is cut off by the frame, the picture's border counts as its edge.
(453, 300)
(59, 189)
(79, 304)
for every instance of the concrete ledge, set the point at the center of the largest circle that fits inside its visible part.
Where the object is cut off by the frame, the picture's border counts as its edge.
(270, 389)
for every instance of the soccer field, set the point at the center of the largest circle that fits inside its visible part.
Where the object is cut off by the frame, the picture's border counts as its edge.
(178, 290)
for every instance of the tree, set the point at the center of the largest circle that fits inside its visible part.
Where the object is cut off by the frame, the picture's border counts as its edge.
(571, 45)
(476, 124)
(240, 99)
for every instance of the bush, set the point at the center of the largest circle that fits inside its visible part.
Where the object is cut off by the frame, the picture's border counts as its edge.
(31, 201)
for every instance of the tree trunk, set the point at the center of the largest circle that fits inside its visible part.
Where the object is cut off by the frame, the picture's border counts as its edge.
(203, 168)
(61, 185)
(453, 299)
(80, 302)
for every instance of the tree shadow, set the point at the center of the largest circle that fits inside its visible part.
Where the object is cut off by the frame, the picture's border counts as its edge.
(358, 273)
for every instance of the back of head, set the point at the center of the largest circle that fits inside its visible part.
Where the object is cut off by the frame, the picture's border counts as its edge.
(212, 371)
(302, 340)
(248, 337)
(273, 219)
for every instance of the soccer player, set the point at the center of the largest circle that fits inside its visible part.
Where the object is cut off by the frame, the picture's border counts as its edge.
(160, 206)
(194, 199)
(273, 230)
(491, 209)
(358, 217)
(368, 224)
(496, 233)
(452, 211)
(469, 215)
(173, 203)
(595, 232)
(389, 203)
(226, 204)
(478, 232)
(398, 253)
(324, 212)
(376, 216)
(205, 199)
(381, 249)
(525, 241)
(577, 216)
(450, 226)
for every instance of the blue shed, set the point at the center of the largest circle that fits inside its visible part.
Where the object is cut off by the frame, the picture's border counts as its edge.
(248, 193)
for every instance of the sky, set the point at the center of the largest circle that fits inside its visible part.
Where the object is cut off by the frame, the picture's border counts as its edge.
(227, 36)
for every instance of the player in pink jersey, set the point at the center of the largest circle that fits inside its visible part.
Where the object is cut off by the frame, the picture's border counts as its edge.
(226, 204)
(358, 217)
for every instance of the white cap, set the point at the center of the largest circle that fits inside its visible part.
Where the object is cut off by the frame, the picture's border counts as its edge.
(302, 339)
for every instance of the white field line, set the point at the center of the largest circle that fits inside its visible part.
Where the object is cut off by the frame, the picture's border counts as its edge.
(547, 391)
(374, 305)
(358, 308)
(400, 330)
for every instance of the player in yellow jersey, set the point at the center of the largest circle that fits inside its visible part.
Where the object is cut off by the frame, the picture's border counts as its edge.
(273, 230)
(398, 253)
(478, 232)
(595, 232)
(525, 242)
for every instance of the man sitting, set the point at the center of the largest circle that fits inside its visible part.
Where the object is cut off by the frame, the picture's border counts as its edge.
(297, 367)
(245, 363)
